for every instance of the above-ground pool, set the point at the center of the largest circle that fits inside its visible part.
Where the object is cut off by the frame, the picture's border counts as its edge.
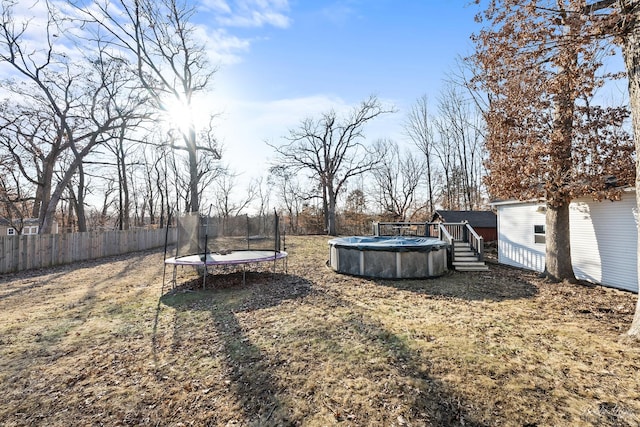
(388, 257)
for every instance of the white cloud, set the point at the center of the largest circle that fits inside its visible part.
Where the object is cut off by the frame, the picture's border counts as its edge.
(222, 48)
(255, 19)
(250, 13)
(218, 6)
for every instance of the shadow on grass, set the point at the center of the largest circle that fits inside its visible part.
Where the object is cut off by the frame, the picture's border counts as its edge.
(497, 284)
(248, 373)
(430, 400)
(338, 326)
(38, 345)
(403, 373)
(36, 283)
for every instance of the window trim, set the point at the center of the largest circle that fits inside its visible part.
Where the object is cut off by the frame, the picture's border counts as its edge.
(539, 234)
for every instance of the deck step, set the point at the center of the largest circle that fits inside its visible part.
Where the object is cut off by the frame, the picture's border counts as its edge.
(466, 258)
(470, 266)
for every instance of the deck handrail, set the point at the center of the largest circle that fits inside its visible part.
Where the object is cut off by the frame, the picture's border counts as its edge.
(398, 226)
(476, 242)
(445, 236)
(442, 231)
(448, 232)
(463, 232)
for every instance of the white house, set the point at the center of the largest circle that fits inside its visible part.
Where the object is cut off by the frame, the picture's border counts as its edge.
(604, 238)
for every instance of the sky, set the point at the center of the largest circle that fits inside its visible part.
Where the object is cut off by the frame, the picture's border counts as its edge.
(281, 61)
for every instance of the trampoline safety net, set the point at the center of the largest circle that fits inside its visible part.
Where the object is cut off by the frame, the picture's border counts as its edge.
(200, 234)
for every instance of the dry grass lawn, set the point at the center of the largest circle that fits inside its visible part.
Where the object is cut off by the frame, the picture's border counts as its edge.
(105, 343)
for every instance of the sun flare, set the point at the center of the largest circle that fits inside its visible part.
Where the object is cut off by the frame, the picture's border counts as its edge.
(178, 115)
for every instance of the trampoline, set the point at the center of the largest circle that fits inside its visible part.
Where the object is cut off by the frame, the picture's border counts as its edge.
(203, 242)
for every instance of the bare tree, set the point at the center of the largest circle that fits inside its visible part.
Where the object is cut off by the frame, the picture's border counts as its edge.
(101, 219)
(460, 123)
(333, 149)
(225, 203)
(15, 201)
(444, 149)
(418, 126)
(262, 190)
(60, 109)
(355, 212)
(171, 63)
(397, 178)
(290, 192)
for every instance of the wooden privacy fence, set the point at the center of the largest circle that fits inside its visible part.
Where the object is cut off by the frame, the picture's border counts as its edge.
(18, 253)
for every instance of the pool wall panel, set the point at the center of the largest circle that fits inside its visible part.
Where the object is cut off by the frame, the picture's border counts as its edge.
(349, 261)
(415, 264)
(396, 263)
(379, 264)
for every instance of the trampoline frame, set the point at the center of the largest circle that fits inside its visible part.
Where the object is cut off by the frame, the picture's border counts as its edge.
(226, 259)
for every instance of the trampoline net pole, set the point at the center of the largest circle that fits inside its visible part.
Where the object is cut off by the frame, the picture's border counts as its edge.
(276, 231)
(166, 244)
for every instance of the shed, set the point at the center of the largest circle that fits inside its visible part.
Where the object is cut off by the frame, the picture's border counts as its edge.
(24, 226)
(483, 222)
(604, 238)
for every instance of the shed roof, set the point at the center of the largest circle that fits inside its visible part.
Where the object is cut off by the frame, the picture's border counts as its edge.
(478, 219)
(27, 221)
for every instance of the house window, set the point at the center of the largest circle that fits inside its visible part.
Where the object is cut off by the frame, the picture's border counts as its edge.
(538, 234)
(30, 230)
(11, 231)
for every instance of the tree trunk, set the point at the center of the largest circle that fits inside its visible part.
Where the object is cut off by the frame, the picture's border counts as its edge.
(631, 52)
(162, 202)
(48, 214)
(325, 207)
(193, 170)
(125, 205)
(331, 214)
(430, 187)
(558, 237)
(558, 244)
(44, 195)
(79, 201)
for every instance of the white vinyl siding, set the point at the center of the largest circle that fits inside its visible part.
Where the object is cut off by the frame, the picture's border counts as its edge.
(604, 239)
(516, 238)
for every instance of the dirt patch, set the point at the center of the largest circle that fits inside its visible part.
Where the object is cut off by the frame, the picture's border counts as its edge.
(108, 343)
